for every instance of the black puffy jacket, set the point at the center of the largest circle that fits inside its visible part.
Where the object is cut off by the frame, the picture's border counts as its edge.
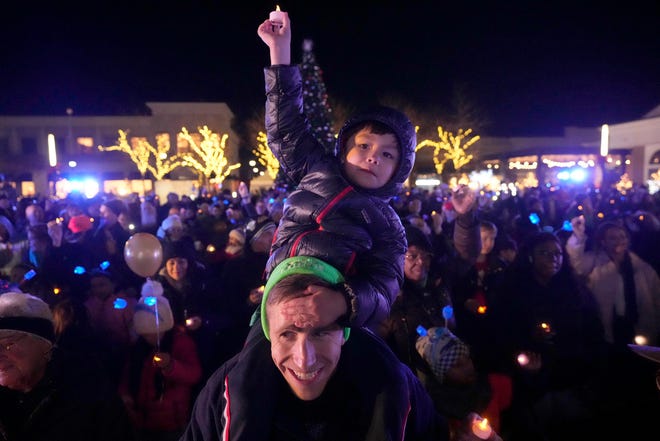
(353, 229)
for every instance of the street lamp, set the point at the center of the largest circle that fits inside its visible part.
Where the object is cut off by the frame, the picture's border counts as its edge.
(69, 146)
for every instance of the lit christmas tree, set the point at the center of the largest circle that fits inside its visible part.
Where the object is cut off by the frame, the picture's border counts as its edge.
(315, 98)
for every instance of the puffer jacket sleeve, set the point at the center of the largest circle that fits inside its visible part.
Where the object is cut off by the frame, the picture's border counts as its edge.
(380, 276)
(288, 133)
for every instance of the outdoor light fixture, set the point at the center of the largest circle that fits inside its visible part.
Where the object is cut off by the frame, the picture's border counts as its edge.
(52, 152)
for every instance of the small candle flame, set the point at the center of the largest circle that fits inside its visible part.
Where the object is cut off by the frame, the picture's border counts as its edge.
(483, 424)
(545, 327)
(482, 309)
(189, 322)
(157, 358)
(277, 8)
(641, 340)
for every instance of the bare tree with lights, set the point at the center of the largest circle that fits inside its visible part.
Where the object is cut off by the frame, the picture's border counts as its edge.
(265, 156)
(207, 156)
(146, 157)
(450, 147)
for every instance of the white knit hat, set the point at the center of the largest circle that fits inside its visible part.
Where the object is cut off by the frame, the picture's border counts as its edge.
(26, 313)
(152, 313)
(170, 221)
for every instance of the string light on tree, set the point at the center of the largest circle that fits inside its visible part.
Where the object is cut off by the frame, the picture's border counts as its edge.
(265, 156)
(450, 147)
(207, 155)
(146, 157)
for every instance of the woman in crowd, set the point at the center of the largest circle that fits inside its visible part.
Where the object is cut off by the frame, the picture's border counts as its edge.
(548, 337)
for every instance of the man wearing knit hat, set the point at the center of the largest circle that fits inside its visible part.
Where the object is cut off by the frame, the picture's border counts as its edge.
(312, 375)
(45, 393)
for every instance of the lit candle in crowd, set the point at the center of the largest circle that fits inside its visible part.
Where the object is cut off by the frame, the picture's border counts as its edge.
(482, 309)
(523, 359)
(481, 428)
(545, 327)
(641, 340)
(189, 322)
(276, 17)
(157, 358)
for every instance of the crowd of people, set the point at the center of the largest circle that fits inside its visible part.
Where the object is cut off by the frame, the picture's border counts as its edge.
(532, 333)
(338, 304)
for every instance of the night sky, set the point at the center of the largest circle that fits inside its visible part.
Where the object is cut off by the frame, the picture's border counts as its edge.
(532, 67)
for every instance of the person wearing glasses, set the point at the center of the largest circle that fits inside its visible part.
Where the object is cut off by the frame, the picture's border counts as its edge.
(47, 393)
(547, 336)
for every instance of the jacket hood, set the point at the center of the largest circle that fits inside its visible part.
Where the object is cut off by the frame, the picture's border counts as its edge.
(406, 136)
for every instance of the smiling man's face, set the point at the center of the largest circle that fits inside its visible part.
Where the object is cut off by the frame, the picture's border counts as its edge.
(306, 357)
(23, 360)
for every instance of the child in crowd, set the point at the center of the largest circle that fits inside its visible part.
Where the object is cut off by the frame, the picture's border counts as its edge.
(340, 210)
(455, 386)
(161, 370)
(474, 291)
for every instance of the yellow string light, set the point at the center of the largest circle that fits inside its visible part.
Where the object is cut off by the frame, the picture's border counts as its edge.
(450, 147)
(207, 156)
(146, 157)
(265, 156)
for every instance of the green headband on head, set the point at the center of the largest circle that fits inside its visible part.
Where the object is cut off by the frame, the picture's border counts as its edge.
(299, 265)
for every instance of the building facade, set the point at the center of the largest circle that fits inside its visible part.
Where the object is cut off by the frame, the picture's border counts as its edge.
(634, 147)
(24, 149)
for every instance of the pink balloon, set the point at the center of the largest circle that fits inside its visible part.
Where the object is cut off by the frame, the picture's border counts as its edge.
(143, 254)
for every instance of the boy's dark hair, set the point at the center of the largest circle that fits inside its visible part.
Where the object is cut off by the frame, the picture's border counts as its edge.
(375, 127)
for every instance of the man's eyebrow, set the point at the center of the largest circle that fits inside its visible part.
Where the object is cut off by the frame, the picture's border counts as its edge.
(330, 327)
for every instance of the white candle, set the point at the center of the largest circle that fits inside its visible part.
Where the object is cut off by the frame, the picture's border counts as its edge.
(276, 17)
(481, 428)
